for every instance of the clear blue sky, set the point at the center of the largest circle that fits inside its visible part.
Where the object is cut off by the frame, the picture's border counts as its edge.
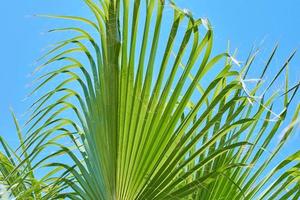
(245, 23)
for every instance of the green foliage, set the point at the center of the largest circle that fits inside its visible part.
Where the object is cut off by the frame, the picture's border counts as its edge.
(135, 115)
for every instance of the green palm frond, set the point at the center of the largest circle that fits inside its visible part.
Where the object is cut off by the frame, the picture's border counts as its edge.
(136, 115)
(18, 172)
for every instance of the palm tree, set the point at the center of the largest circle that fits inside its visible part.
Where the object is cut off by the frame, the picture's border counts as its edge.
(135, 115)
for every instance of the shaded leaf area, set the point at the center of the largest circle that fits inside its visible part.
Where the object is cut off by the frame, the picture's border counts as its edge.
(135, 115)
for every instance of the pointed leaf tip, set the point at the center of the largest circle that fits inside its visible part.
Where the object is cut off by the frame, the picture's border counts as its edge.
(206, 23)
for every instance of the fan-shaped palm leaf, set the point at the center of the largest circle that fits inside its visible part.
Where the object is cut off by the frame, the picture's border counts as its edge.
(151, 117)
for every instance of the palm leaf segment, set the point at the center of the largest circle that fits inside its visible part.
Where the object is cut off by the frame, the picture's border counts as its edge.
(150, 120)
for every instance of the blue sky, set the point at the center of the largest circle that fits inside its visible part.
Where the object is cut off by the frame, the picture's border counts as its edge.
(245, 23)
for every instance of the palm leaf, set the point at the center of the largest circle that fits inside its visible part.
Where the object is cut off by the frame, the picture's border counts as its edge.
(126, 113)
